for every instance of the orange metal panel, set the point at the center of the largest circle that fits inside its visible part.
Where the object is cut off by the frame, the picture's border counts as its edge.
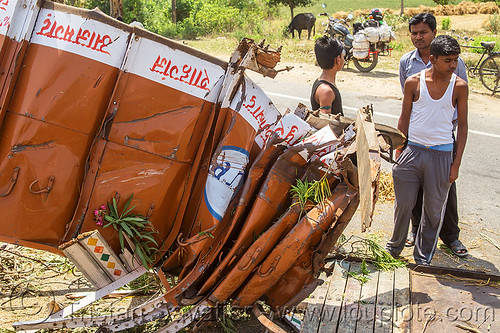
(305, 235)
(40, 151)
(52, 89)
(58, 103)
(17, 18)
(154, 130)
(141, 174)
(292, 282)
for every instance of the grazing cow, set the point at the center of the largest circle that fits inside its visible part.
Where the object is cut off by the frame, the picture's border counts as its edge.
(302, 22)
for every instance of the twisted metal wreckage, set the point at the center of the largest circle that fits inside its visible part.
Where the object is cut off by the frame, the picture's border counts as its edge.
(93, 109)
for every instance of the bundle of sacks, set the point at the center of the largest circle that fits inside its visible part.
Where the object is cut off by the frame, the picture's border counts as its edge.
(363, 38)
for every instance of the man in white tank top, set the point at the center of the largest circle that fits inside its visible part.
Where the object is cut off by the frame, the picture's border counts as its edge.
(429, 102)
(423, 30)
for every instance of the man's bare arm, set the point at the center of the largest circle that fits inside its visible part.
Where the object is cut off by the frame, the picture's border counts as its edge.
(404, 119)
(462, 93)
(409, 93)
(325, 97)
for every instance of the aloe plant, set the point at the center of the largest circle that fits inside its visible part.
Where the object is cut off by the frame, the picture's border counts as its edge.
(136, 227)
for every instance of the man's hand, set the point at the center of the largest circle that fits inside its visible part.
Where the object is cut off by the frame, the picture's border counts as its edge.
(453, 172)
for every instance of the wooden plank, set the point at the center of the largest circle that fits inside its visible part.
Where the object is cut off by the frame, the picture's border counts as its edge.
(315, 303)
(402, 305)
(368, 158)
(367, 302)
(383, 308)
(333, 303)
(349, 312)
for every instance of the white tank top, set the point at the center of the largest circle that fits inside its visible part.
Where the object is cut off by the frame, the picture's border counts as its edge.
(431, 119)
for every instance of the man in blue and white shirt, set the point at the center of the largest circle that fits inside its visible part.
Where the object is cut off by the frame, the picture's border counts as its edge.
(423, 30)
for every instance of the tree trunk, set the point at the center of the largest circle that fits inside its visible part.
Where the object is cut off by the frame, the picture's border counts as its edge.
(174, 11)
(116, 8)
(402, 7)
(290, 4)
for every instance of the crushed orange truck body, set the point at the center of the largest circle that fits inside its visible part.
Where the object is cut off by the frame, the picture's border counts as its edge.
(93, 110)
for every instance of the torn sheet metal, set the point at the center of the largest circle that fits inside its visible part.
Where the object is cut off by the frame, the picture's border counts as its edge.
(115, 111)
(306, 234)
(59, 100)
(17, 19)
(159, 116)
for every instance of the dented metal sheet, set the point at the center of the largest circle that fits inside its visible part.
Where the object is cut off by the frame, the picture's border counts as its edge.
(101, 110)
(59, 100)
(17, 19)
(158, 118)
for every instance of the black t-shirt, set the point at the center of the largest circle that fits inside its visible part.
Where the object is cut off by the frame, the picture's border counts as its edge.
(337, 102)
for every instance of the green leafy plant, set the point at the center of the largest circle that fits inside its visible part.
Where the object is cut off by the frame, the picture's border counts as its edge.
(442, 2)
(478, 39)
(362, 274)
(369, 249)
(494, 23)
(136, 228)
(316, 191)
(445, 23)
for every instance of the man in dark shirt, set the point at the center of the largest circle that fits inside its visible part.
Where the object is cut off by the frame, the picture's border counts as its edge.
(325, 95)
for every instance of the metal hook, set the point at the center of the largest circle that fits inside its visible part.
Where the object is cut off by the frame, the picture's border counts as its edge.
(43, 190)
(244, 266)
(13, 180)
(271, 268)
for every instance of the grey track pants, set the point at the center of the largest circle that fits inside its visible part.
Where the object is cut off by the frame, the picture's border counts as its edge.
(419, 166)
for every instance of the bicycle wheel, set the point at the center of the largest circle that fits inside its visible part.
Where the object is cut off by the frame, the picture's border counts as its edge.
(489, 72)
(366, 64)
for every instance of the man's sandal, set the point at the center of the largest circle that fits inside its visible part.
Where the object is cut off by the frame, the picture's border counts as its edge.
(410, 241)
(458, 248)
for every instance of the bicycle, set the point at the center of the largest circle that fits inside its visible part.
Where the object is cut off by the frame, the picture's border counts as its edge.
(489, 68)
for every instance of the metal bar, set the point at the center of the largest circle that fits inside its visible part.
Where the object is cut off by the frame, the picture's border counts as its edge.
(152, 310)
(94, 296)
(187, 318)
(58, 319)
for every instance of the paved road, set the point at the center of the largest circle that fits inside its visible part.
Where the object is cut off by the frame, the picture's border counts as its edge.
(479, 181)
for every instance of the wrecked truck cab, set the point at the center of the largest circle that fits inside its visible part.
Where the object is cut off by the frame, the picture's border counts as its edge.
(126, 151)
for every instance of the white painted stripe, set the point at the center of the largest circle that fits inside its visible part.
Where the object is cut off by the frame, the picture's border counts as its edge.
(485, 134)
(6, 15)
(256, 108)
(80, 35)
(383, 114)
(286, 96)
(174, 68)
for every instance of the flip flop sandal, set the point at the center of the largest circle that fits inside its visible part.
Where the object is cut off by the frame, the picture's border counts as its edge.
(458, 248)
(410, 241)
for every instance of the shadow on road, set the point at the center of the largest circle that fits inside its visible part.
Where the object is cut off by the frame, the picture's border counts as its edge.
(372, 74)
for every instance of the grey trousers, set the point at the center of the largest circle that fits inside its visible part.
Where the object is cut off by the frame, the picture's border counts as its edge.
(415, 167)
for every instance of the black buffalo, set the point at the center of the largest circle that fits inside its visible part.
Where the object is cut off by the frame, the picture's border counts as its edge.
(302, 22)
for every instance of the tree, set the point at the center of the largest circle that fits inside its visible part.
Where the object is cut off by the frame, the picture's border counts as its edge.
(291, 3)
(402, 7)
(174, 12)
(116, 8)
